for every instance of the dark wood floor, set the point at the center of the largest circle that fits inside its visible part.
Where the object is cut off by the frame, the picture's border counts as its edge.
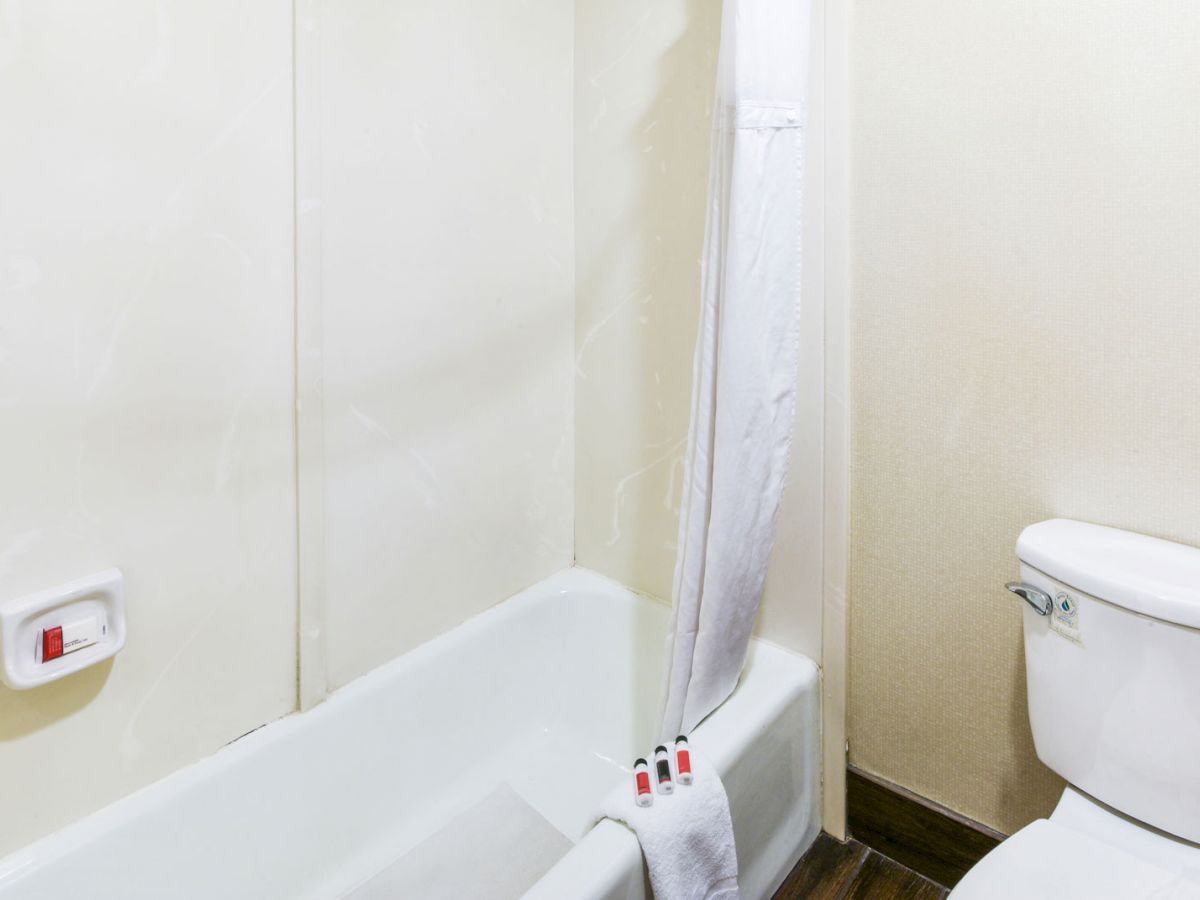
(831, 870)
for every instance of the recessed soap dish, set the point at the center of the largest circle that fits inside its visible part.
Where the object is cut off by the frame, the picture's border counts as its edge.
(55, 633)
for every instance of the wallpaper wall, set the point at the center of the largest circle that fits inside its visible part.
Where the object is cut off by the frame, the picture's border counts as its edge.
(1026, 273)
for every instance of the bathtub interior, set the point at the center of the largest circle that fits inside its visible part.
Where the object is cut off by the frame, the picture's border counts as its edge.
(549, 695)
(500, 841)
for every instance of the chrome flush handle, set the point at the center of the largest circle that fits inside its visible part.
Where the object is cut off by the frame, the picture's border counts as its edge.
(1038, 599)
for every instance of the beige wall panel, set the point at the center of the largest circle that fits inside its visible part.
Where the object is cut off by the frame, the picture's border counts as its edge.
(447, 314)
(146, 381)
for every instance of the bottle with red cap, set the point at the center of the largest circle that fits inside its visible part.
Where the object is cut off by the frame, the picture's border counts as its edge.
(683, 760)
(642, 794)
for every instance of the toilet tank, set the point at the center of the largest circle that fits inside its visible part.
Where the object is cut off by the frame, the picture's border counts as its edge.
(1113, 671)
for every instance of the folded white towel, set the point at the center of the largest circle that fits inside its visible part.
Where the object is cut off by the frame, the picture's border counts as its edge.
(686, 837)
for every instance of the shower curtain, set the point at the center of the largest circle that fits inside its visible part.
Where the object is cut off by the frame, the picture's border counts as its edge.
(744, 377)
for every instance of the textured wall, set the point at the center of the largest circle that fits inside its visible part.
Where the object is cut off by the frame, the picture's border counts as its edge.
(146, 381)
(645, 75)
(1026, 318)
(446, 203)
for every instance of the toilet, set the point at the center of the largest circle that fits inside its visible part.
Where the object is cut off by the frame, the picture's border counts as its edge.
(1112, 659)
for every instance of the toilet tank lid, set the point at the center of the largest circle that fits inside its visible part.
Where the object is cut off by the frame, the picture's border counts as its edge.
(1147, 575)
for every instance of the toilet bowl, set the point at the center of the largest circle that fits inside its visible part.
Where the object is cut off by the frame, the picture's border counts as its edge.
(1085, 851)
(1112, 657)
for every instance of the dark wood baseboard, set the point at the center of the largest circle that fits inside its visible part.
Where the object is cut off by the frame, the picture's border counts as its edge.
(918, 833)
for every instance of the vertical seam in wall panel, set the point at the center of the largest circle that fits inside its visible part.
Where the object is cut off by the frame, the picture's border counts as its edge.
(296, 349)
(573, 422)
(311, 678)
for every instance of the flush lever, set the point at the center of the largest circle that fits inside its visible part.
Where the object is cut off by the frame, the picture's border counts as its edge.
(1038, 599)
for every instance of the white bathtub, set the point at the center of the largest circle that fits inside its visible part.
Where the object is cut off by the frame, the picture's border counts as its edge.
(491, 745)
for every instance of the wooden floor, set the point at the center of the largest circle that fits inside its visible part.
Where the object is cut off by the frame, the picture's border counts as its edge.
(831, 870)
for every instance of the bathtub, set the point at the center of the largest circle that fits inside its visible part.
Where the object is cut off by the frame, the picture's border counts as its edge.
(471, 766)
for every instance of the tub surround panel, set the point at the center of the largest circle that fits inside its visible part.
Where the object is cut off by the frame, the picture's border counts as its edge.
(146, 381)
(643, 96)
(1026, 218)
(645, 77)
(447, 304)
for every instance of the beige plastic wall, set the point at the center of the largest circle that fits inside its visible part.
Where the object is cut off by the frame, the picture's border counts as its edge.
(447, 304)
(1025, 211)
(643, 92)
(146, 381)
(147, 354)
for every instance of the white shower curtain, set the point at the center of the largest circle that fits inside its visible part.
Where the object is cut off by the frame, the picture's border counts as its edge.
(743, 392)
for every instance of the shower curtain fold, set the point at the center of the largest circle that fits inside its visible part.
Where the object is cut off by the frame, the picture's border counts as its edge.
(744, 374)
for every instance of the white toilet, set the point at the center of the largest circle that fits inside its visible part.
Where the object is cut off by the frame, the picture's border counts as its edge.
(1112, 655)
